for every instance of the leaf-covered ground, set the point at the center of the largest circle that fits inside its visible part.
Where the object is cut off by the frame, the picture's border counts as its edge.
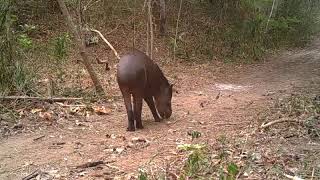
(224, 103)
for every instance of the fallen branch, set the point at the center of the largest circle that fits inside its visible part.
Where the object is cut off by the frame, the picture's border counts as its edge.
(54, 99)
(230, 124)
(32, 175)
(70, 105)
(106, 41)
(90, 164)
(265, 125)
(103, 62)
(40, 137)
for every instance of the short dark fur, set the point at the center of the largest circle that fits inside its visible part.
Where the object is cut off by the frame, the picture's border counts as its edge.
(139, 76)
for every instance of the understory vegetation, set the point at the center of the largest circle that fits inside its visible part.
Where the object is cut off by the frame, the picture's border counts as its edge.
(38, 58)
(35, 44)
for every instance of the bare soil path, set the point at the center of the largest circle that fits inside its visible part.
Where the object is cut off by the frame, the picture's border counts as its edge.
(209, 99)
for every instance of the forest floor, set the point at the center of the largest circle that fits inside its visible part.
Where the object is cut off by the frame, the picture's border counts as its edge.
(213, 99)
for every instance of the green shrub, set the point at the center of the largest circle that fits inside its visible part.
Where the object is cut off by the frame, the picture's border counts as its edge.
(61, 46)
(13, 75)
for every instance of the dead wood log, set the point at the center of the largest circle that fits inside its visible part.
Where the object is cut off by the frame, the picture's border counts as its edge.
(51, 99)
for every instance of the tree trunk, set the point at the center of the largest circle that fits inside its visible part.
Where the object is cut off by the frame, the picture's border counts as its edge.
(81, 47)
(162, 17)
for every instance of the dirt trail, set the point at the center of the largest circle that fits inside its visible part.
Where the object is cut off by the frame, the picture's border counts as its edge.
(210, 100)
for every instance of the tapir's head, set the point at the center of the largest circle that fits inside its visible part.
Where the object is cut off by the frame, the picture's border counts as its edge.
(163, 101)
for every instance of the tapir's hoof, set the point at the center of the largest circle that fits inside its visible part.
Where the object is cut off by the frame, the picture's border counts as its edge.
(139, 126)
(158, 120)
(130, 129)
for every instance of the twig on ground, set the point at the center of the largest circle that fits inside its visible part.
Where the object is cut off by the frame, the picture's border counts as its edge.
(112, 167)
(265, 125)
(40, 137)
(312, 174)
(230, 124)
(70, 105)
(32, 175)
(218, 95)
(154, 156)
(90, 164)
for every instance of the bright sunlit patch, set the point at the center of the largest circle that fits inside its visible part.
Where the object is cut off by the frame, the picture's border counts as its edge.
(231, 87)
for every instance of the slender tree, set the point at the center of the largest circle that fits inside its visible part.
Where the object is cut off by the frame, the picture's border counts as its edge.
(81, 47)
(162, 17)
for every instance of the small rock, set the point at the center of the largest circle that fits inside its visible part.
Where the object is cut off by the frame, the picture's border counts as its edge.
(18, 126)
(119, 150)
(130, 145)
(83, 173)
(138, 139)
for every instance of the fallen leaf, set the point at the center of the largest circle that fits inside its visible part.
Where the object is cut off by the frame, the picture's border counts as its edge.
(101, 110)
(45, 115)
(33, 111)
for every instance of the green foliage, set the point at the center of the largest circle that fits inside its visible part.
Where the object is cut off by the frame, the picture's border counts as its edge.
(232, 170)
(194, 134)
(24, 41)
(142, 175)
(291, 23)
(13, 75)
(61, 46)
(246, 29)
(196, 161)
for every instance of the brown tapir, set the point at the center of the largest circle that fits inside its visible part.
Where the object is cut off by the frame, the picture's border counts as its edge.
(139, 76)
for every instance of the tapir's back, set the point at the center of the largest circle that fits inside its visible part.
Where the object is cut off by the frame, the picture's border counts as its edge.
(131, 70)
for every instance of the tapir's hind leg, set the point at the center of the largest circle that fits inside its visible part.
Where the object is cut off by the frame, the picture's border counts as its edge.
(127, 101)
(137, 100)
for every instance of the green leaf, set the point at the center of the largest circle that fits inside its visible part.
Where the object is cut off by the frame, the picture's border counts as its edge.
(233, 169)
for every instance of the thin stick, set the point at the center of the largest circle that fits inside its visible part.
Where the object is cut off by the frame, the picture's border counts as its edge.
(175, 38)
(134, 24)
(147, 32)
(106, 41)
(151, 27)
(32, 175)
(270, 15)
(312, 175)
(263, 126)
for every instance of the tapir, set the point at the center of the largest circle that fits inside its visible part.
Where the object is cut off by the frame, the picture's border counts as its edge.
(141, 78)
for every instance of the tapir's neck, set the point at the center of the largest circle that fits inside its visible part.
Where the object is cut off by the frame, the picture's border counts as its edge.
(163, 80)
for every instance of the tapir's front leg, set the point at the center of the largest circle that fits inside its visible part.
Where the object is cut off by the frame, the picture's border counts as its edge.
(152, 107)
